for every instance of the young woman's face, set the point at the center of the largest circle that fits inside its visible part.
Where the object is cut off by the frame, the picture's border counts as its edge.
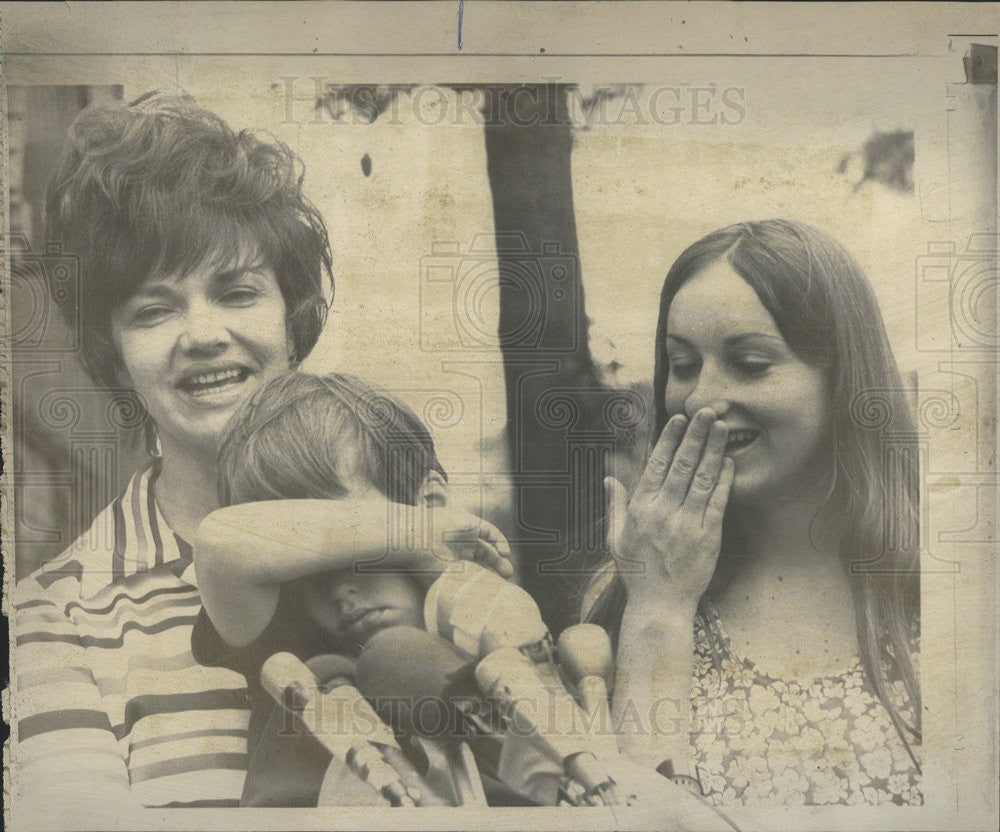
(724, 351)
(194, 347)
(352, 607)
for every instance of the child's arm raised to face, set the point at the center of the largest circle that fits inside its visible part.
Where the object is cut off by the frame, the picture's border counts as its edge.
(243, 553)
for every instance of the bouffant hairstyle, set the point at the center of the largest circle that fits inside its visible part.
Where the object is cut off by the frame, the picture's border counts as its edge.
(160, 186)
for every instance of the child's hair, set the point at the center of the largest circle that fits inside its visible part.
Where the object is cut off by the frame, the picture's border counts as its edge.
(162, 185)
(824, 307)
(301, 434)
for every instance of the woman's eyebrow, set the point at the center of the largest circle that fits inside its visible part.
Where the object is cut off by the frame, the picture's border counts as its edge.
(733, 340)
(235, 273)
(751, 336)
(157, 289)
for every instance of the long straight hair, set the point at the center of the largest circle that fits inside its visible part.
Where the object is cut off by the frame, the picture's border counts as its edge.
(824, 307)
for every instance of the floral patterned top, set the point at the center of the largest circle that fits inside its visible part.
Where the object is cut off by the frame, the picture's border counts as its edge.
(758, 739)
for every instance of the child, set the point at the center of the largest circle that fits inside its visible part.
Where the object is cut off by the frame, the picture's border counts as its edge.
(309, 437)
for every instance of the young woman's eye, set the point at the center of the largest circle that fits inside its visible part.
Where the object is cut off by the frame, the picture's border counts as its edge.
(753, 366)
(683, 369)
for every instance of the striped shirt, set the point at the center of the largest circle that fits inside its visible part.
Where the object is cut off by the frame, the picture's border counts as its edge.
(107, 699)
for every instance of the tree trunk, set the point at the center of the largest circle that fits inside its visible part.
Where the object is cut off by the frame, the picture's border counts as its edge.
(557, 439)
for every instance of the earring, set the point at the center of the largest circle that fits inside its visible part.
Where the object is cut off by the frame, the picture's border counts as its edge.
(153, 446)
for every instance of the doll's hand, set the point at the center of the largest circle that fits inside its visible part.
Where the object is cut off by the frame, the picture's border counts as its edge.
(666, 539)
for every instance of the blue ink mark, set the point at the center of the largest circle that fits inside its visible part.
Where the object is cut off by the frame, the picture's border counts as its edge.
(461, 9)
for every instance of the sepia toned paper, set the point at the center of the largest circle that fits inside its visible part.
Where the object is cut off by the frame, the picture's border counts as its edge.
(876, 122)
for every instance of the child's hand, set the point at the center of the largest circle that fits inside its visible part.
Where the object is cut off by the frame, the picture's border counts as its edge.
(453, 534)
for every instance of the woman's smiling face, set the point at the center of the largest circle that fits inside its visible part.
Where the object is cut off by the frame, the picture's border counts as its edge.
(195, 346)
(724, 351)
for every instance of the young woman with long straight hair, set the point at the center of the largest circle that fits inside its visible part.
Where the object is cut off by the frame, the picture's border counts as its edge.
(772, 535)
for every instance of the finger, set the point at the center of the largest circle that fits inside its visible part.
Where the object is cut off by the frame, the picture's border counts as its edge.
(496, 549)
(720, 496)
(488, 556)
(707, 476)
(481, 551)
(489, 532)
(659, 461)
(482, 542)
(688, 455)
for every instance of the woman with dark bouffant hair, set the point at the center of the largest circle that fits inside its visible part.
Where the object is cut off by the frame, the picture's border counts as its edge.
(204, 272)
(773, 534)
